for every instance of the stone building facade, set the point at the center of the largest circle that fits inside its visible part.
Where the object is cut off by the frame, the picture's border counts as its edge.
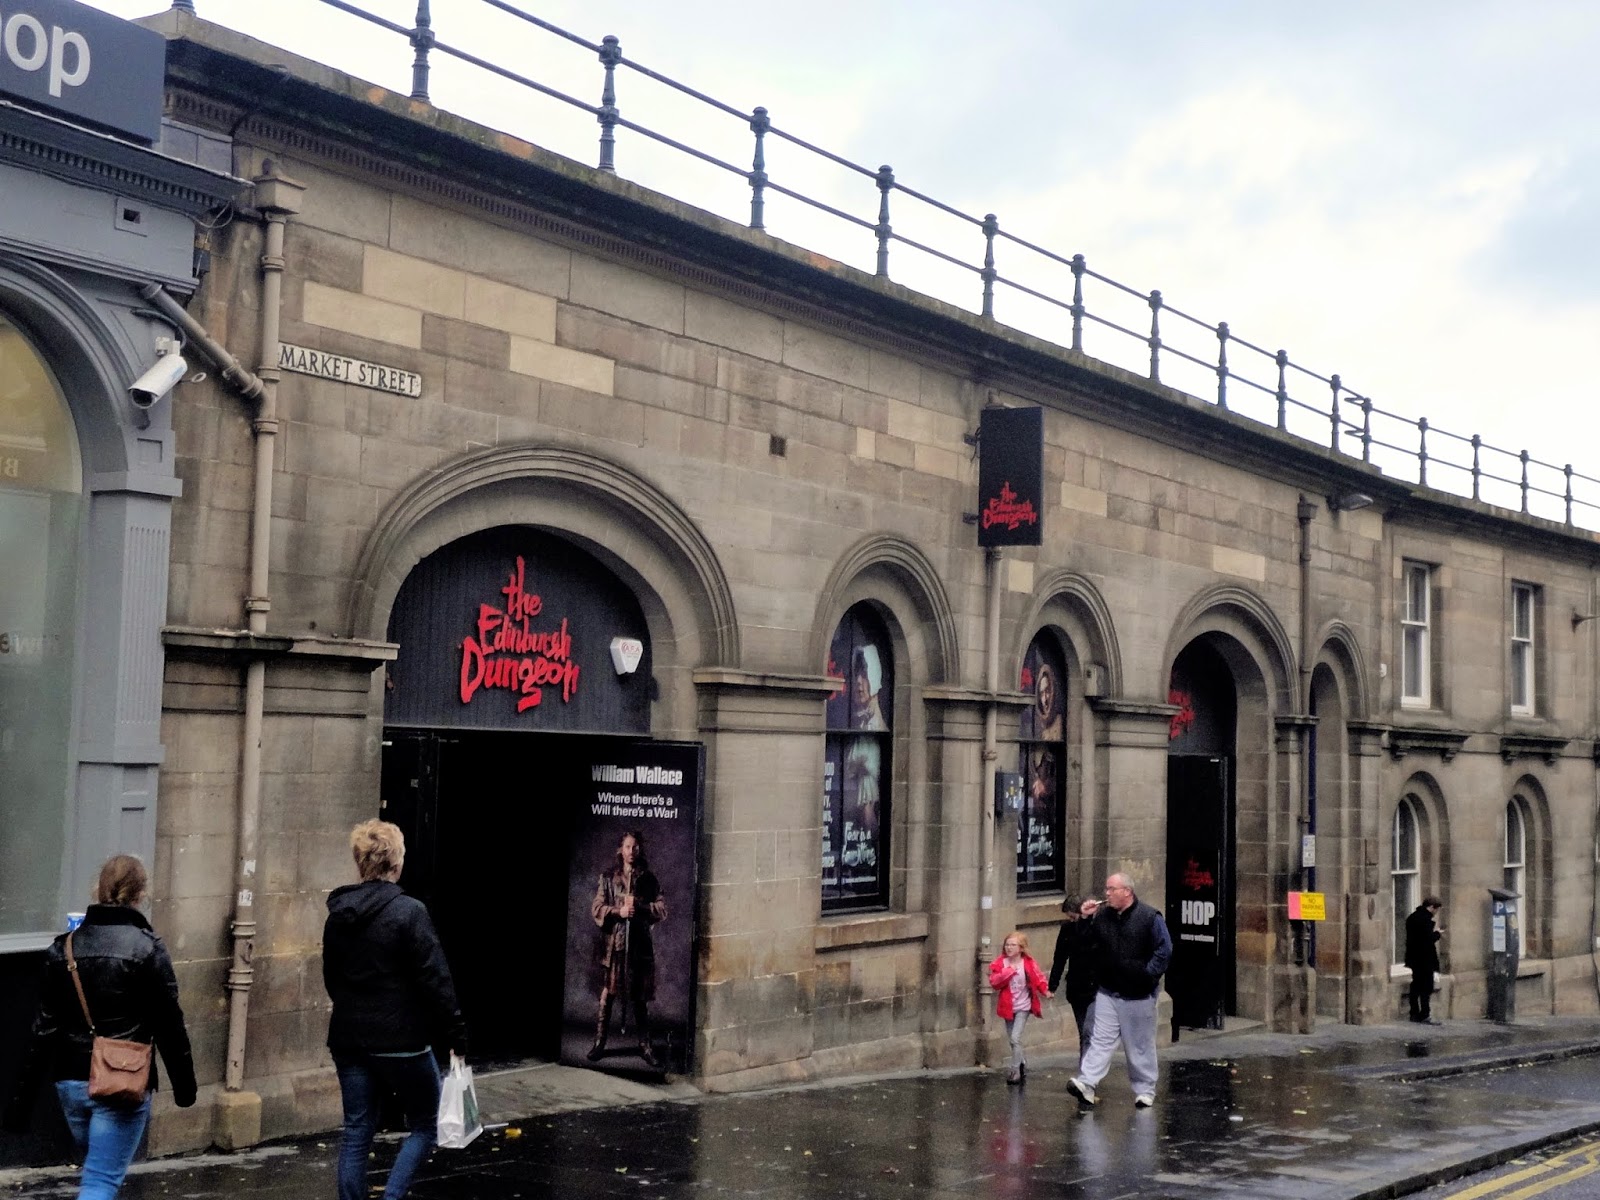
(766, 456)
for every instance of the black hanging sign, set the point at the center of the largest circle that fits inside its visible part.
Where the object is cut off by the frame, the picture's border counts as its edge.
(1010, 477)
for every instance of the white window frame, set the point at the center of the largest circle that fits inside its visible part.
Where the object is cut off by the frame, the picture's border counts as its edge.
(1416, 629)
(1405, 878)
(1524, 697)
(1515, 846)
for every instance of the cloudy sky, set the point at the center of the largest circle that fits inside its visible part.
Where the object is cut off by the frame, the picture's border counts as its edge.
(1405, 194)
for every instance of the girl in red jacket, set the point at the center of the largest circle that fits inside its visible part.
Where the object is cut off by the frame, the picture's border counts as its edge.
(1020, 986)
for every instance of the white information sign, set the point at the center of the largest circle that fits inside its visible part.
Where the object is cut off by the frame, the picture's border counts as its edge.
(305, 361)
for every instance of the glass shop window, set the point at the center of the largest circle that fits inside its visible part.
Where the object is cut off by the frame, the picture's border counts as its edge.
(857, 771)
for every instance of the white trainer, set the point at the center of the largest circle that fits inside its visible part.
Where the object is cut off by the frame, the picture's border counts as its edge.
(1143, 1100)
(1083, 1091)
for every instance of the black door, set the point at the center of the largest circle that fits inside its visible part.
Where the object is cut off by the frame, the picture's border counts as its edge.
(487, 850)
(1199, 890)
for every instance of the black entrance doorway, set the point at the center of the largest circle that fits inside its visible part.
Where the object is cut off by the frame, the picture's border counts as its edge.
(487, 852)
(1199, 891)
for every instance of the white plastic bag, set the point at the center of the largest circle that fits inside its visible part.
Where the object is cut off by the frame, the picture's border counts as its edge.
(459, 1122)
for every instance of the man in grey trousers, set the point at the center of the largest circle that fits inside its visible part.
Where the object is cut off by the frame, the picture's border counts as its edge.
(1131, 948)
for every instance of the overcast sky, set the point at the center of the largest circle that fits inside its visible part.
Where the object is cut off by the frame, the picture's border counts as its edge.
(1406, 194)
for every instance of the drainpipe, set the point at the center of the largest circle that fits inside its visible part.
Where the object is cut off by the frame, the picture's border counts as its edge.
(990, 826)
(1304, 511)
(276, 198)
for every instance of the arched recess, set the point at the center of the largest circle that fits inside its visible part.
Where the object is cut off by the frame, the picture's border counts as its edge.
(1248, 624)
(1072, 604)
(1232, 802)
(1427, 801)
(622, 519)
(904, 589)
(924, 617)
(1539, 868)
(85, 328)
(1341, 654)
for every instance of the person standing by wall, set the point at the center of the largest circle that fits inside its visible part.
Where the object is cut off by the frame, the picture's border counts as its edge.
(131, 993)
(1019, 986)
(393, 1001)
(1131, 948)
(1074, 960)
(1422, 956)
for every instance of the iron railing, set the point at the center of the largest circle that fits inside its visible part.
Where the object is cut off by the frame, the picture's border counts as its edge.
(1266, 384)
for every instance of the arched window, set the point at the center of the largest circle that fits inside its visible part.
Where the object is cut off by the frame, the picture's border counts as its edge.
(1041, 825)
(41, 505)
(1405, 871)
(1516, 867)
(857, 771)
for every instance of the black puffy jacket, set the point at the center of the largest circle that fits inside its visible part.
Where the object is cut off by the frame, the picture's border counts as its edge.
(386, 974)
(1132, 949)
(132, 993)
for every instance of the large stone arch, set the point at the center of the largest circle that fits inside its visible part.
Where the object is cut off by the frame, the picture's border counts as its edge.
(1072, 604)
(1340, 652)
(618, 516)
(924, 618)
(1247, 622)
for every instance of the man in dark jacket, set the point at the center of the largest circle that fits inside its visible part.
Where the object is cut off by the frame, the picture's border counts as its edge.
(393, 1002)
(1422, 956)
(1131, 950)
(1073, 961)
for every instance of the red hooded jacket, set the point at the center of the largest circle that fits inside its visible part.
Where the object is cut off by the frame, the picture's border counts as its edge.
(1000, 973)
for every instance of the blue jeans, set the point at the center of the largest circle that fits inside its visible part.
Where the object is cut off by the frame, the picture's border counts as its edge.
(107, 1136)
(363, 1080)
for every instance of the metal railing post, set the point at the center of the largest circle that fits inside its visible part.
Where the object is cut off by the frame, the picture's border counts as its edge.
(610, 56)
(1282, 359)
(1366, 429)
(1477, 469)
(1422, 451)
(991, 226)
(1567, 470)
(1524, 457)
(1222, 364)
(1078, 268)
(883, 228)
(1333, 413)
(760, 122)
(422, 41)
(1155, 337)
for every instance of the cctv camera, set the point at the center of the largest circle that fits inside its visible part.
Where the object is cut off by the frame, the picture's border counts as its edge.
(156, 382)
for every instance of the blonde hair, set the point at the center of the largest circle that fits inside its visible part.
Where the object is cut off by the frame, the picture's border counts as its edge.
(1022, 940)
(123, 880)
(379, 849)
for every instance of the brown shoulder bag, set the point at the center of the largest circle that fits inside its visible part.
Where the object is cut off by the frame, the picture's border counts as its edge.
(119, 1071)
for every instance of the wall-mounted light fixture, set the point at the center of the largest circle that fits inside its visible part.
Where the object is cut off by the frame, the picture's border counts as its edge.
(1348, 501)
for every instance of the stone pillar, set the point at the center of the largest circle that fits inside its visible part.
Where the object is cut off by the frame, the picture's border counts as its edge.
(1292, 991)
(760, 875)
(1367, 988)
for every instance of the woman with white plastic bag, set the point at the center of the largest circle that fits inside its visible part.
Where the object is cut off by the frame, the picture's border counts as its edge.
(459, 1121)
(393, 1001)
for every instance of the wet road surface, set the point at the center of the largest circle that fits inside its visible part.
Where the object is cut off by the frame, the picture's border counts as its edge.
(1244, 1116)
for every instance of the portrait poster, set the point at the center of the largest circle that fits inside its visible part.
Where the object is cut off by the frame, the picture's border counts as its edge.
(859, 717)
(628, 1002)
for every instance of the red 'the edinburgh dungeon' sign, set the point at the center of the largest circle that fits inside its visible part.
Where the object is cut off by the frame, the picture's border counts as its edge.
(1010, 476)
(507, 651)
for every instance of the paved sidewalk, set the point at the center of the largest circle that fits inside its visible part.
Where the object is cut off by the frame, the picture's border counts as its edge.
(1342, 1113)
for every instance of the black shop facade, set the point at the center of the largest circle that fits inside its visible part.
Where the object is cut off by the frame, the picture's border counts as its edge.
(554, 841)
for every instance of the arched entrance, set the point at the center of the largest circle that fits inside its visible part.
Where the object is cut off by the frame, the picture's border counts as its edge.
(515, 759)
(1201, 838)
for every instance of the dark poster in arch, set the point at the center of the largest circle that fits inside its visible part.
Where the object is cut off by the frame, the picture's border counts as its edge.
(1200, 840)
(517, 629)
(632, 895)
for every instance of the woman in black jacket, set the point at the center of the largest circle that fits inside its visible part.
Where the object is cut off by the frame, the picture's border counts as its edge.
(393, 1001)
(1074, 959)
(132, 995)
